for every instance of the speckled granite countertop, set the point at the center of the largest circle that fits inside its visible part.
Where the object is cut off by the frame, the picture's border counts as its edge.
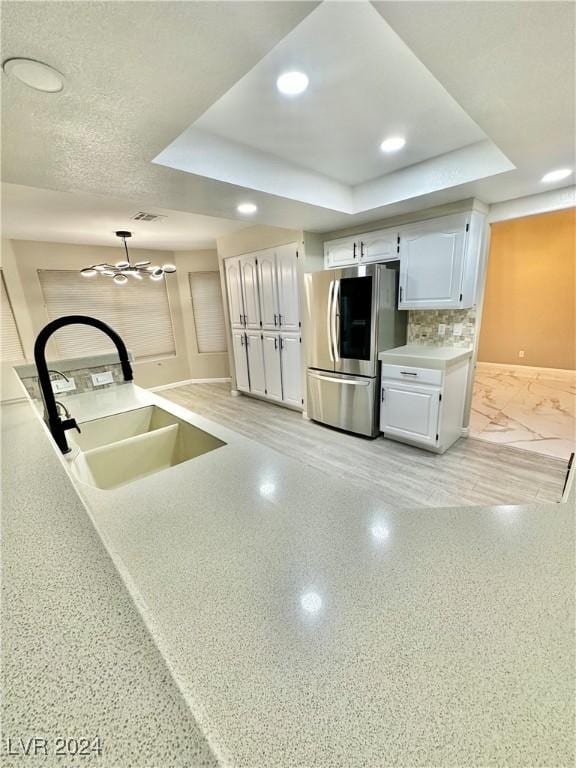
(77, 659)
(308, 628)
(421, 355)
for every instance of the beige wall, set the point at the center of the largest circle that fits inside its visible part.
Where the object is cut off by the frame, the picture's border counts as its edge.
(21, 261)
(530, 293)
(530, 297)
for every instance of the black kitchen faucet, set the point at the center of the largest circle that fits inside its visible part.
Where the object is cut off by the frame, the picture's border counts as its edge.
(52, 418)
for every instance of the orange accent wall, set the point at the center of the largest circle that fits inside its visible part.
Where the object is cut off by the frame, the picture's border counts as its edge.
(530, 298)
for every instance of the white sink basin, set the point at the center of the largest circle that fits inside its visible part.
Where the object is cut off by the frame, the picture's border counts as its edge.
(119, 449)
(111, 429)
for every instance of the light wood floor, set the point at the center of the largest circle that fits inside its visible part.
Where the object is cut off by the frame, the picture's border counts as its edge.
(471, 472)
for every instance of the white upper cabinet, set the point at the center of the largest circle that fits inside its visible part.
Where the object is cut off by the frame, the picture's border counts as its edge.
(240, 360)
(288, 293)
(439, 258)
(268, 289)
(433, 257)
(379, 246)
(291, 355)
(271, 351)
(249, 271)
(341, 253)
(235, 297)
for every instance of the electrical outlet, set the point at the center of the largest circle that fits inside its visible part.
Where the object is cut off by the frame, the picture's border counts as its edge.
(442, 329)
(98, 379)
(457, 329)
(521, 353)
(61, 385)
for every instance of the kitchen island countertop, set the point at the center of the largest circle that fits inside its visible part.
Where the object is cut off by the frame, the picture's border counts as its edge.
(309, 627)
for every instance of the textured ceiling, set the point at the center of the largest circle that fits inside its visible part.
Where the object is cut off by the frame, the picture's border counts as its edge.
(138, 73)
(30, 213)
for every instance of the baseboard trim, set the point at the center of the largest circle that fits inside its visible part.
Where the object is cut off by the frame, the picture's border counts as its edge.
(465, 431)
(279, 403)
(528, 368)
(175, 384)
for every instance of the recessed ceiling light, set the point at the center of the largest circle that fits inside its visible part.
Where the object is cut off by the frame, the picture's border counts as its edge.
(247, 208)
(292, 83)
(393, 144)
(35, 74)
(558, 175)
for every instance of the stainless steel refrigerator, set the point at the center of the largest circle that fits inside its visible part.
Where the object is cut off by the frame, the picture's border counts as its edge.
(351, 316)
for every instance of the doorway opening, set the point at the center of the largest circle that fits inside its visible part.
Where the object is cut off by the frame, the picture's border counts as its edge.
(525, 383)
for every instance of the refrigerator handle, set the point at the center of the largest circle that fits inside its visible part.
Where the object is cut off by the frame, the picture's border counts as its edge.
(329, 320)
(340, 380)
(335, 331)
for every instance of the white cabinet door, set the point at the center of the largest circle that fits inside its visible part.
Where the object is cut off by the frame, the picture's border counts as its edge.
(410, 412)
(431, 264)
(255, 363)
(249, 270)
(240, 360)
(271, 352)
(268, 290)
(379, 246)
(339, 253)
(288, 294)
(234, 286)
(291, 355)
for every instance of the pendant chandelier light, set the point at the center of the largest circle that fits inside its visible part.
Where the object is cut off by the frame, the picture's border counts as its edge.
(123, 270)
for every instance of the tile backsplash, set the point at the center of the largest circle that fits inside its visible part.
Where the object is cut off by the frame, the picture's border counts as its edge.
(423, 327)
(82, 378)
(78, 368)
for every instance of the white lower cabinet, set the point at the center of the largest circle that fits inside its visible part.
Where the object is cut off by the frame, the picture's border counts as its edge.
(410, 412)
(272, 366)
(269, 365)
(256, 363)
(423, 407)
(240, 360)
(291, 364)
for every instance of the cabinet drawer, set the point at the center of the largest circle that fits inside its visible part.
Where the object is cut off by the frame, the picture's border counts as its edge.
(408, 373)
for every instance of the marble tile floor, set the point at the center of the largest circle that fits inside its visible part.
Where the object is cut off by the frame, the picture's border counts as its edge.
(532, 410)
(471, 472)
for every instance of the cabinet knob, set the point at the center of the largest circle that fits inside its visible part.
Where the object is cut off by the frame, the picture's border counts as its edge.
(354, 250)
(280, 320)
(275, 320)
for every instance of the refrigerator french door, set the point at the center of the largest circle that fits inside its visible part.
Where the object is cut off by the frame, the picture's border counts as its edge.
(351, 317)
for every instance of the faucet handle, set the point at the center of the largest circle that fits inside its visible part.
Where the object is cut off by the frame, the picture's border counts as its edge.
(71, 424)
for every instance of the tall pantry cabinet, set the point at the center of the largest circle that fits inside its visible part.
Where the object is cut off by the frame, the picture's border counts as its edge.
(264, 305)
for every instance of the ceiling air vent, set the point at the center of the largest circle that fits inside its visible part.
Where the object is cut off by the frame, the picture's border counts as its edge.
(143, 216)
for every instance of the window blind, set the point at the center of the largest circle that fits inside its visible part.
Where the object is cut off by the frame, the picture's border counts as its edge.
(139, 311)
(206, 293)
(11, 345)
